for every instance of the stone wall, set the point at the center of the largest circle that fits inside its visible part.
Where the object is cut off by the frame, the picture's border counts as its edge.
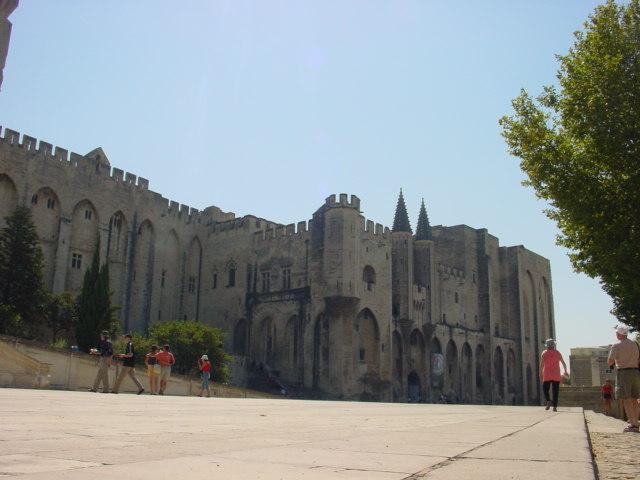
(27, 364)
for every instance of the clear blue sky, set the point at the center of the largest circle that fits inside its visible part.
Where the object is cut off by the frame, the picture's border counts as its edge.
(267, 107)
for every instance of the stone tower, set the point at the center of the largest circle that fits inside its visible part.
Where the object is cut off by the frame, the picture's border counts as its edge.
(6, 8)
(402, 268)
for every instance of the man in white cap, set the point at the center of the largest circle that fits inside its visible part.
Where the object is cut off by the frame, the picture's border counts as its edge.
(625, 355)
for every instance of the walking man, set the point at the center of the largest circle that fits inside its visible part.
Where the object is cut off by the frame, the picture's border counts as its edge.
(128, 365)
(166, 360)
(550, 361)
(625, 355)
(105, 350)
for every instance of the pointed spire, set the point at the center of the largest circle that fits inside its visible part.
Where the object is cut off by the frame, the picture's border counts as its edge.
(423, 230)
(401, 219)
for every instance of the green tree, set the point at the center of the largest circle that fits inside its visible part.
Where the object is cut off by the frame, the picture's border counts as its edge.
(22, 291)
(189, 340)
(62, 315)
(95, 312)
(579, 145)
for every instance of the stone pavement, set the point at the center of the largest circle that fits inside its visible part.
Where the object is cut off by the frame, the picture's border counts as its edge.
(76, 435)
(617, 454)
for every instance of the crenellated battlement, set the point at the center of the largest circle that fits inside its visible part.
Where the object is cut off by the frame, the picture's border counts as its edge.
(99, 167)
(372, 228)
(292, 230)
(343, 200)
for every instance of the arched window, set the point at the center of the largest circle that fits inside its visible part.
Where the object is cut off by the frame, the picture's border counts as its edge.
(369, 277)
(231, 274)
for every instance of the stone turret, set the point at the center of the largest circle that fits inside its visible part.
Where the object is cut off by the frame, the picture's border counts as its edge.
(401, 218)
(402, 263)
(6, 8)
(423, 248)
(339, 218)
(423, 229)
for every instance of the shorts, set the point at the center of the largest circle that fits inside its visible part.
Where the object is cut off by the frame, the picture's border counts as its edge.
(165, 372)
(628, 384)
(607, 396)
(153, 370)
(205, 380)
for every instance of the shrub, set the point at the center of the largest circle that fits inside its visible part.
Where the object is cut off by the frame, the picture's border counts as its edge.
(189, 340)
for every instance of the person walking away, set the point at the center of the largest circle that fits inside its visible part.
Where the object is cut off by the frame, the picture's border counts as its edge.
(205, 368)
(625, 355)
(105, 350)
(607, 396)
(128, 365)
(550, 361)
(153, 369)
(166, 360)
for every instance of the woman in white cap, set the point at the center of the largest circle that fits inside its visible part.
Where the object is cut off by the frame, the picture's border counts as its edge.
(205, 370)
(625, 356)
(550, 361)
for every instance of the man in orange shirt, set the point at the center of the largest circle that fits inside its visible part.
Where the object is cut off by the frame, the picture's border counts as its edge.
(166, 359)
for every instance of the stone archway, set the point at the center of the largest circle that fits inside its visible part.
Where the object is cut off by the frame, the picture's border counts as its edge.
(436, 370)
(240, 337)
(452, 372)
(482, 380)
(466, 374)
(512, 394)
(398, 365)
(367, 341)
(418, 357)
(45, 210)
(142, 284)
(498, 375)
(265, 343)
(414, 388)
(321, 352)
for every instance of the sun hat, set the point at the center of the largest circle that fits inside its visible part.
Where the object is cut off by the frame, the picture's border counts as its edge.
(622, 330)
(549, 342)
(204, 357)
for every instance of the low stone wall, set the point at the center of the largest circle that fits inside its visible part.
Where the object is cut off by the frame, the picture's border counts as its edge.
(28, 364)
(589, 398)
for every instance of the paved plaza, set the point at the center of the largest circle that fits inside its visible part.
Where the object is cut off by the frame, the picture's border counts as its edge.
(76, 435)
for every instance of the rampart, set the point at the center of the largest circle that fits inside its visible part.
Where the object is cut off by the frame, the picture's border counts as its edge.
(84, 165)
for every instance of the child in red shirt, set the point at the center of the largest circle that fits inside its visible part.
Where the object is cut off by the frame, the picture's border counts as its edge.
(607, 396)
(205, 367)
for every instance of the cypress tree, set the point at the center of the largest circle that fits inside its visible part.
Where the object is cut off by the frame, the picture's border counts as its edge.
(95, 312)
(21, 287)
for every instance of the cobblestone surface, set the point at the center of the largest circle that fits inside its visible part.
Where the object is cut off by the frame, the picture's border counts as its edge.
(617, 454)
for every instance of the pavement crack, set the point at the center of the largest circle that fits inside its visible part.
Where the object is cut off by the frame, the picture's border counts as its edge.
(450, 460)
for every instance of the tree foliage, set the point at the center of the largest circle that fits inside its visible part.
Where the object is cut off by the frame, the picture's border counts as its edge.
(22, 294)
(95, 312)
(579, 145)
(189, 340)
(62, 315)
